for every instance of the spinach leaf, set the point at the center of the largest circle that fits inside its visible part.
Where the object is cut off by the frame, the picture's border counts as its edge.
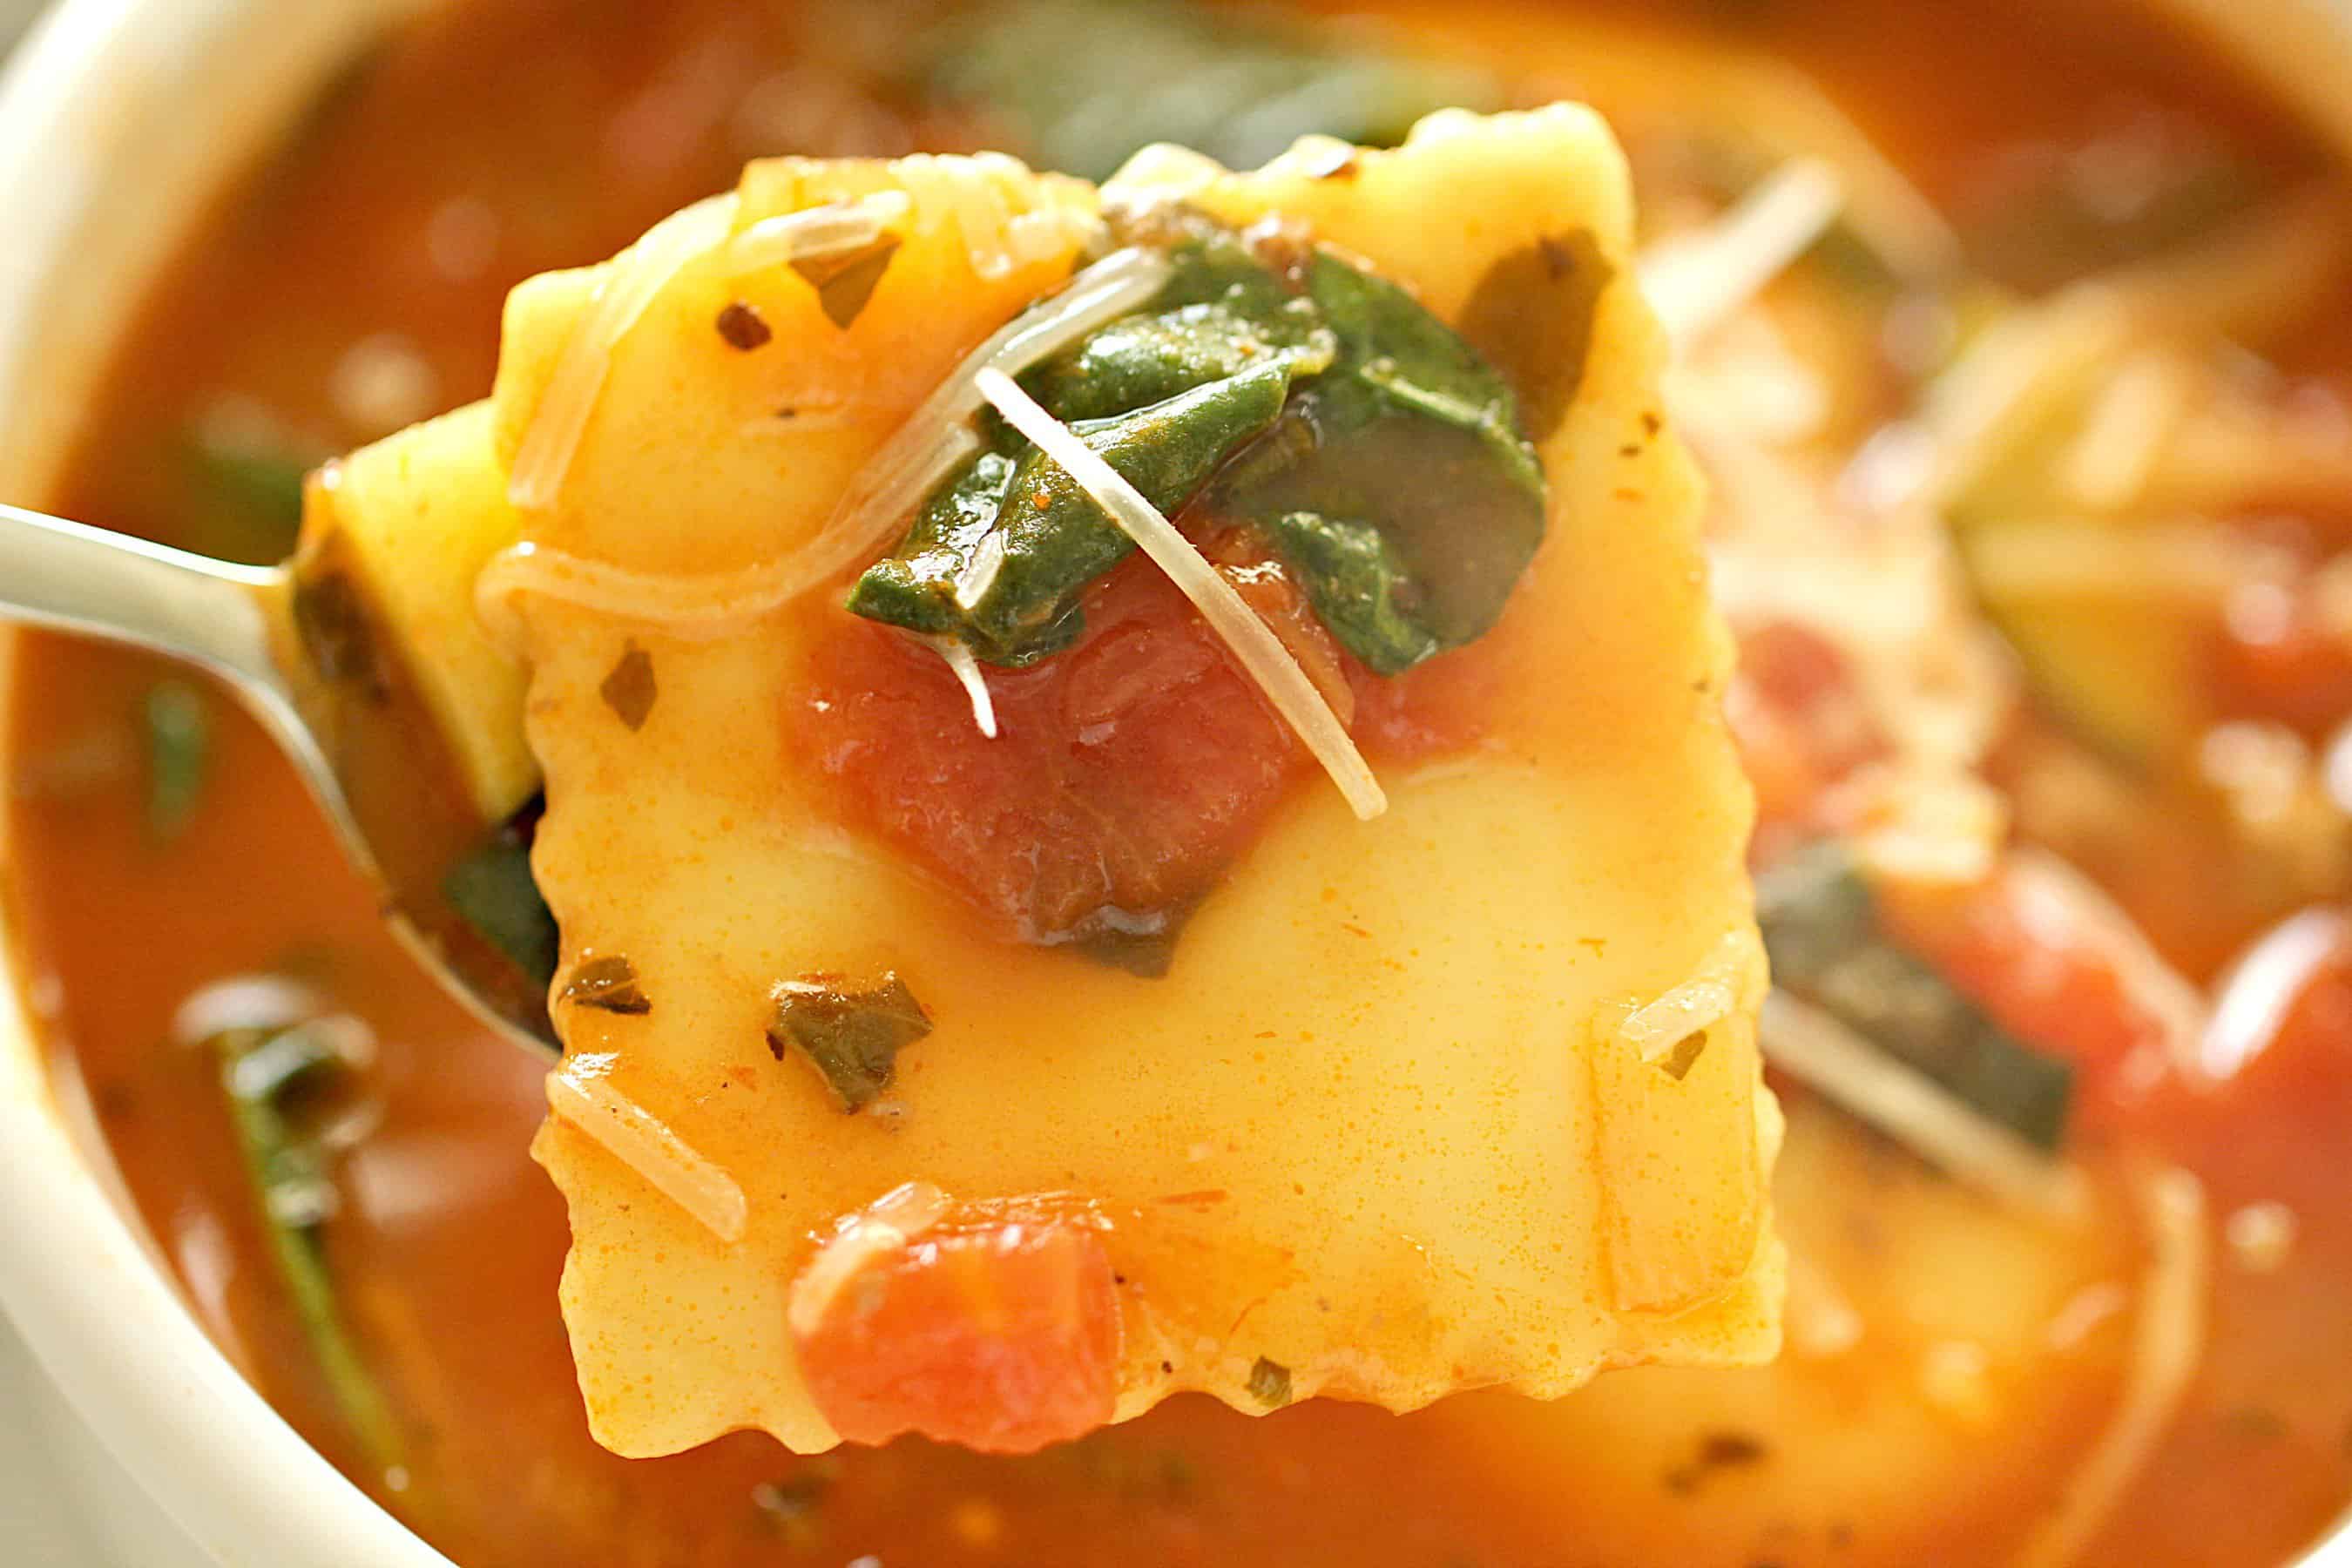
(1821, 930)
(179, 730)
(1078, 85)
(852, 1037)
(246, 496)
(1532, 317)
(493, 891)
(1413, 511)
(274, 1082)
(1367, 440)
(998, 558)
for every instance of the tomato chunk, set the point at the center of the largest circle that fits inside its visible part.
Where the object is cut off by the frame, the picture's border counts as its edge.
(1798, 714)
(1127, 773)
(2282, 1022)
(2283, 654)
(1003, 1336)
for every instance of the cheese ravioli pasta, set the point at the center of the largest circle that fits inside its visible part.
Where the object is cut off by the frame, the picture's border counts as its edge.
(1135, 795)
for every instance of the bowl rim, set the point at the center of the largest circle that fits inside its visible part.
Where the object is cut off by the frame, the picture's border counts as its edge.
(86, 1290)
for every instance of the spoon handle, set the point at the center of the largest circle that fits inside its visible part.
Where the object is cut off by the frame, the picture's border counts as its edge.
(70, 577)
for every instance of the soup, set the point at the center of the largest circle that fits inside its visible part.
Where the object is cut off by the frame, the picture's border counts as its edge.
(1975, 1373)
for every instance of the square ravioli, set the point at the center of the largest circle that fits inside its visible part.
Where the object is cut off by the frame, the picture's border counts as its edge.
(983, 1015)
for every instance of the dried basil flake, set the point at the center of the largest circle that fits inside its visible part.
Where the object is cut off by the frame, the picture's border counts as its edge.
(1269, 1384)
(852, 1037)
(1677, 1064)
(629, 691)
(609, 985)
(742, 328)
(845, 280)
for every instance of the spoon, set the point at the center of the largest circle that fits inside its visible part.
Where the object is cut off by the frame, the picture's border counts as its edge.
(365, 758)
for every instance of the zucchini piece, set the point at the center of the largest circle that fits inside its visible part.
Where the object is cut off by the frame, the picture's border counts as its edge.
(2111, 622)
(1821, 933)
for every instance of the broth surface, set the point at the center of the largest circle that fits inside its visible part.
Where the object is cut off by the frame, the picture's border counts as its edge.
(353, 284)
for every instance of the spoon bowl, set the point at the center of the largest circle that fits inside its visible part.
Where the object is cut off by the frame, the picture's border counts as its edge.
(293, 659)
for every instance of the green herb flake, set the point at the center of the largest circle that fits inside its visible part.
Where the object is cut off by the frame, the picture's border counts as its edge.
(1269, 1384)
(1821, 930)
(609, 985)
(1677, 1063)
(494, 892)
(177, 720)
(278, 1086)
(245, 494)
(852, 1037)
(338, 639)
(845, 280)
(629, 689)
(1531, 316)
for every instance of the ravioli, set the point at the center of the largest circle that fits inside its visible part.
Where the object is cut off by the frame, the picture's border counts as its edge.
(1463, 1094)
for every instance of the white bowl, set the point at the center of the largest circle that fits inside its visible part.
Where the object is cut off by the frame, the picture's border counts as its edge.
(117, 121)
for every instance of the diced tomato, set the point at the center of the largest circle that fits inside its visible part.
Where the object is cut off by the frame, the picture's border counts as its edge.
(2282, 1027)
(1128, 772)
(1430, 709)
(2271, 1114)
(2049, 968)
(1003, 1336)
(1266, 586)
(2280, 657)
(1797, 713)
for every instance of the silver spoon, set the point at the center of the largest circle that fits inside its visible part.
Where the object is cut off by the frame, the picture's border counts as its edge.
(239, 623)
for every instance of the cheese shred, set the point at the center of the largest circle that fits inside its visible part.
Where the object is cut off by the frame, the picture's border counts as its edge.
(815, 231)
(636, 276)
(884, 1226)
(1260, 652)
(908, 465)
(2168, 1342)
(1816, 1049)
(959, 659)
(581, 1094)
(1669, 1031)
(1699, 281)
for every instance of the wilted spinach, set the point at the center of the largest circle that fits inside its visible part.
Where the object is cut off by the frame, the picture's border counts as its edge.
(1080, 84)
(1282, 388)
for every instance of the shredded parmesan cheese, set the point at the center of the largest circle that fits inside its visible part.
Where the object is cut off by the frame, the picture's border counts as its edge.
(699, 607)
(815, 231)
(968, 674)
(1658, 1029)
(1260, 652)
(638, 274)
(582, 1095)
(938, 436)
(2168, 1339)
(926, 448)
(1809, 1044)
(1697, 281)
(884, 1226)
